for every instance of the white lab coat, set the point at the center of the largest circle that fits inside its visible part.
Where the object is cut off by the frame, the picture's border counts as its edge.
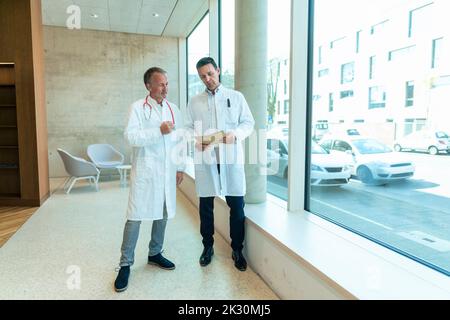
(235, 118)
(154, 166)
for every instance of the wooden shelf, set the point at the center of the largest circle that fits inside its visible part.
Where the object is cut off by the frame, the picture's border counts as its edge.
(6, 196)
(7, 106)
(7, 127)
(9, 147)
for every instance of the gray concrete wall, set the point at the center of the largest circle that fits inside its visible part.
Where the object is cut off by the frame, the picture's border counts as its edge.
(92, 77)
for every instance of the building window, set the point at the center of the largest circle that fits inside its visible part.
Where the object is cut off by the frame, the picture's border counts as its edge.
(286, 106)
(347, 72)
(358, 40)
(330, 102)
(323, 73)
(337, 43)
(409, 100)
(346, 94)
(285, 87)
(320, 55)
(409, 127)
(419, 20)
(227, 39)
(278, 107)
(402, 53)
(379, 27)
(377, 97)
(436, 53)
(372, 62)
(197, 48)
(410, 96)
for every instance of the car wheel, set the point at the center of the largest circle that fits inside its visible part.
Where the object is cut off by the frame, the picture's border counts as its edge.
(433, 150)
(397, 148)
(285, 175)
(364, 175)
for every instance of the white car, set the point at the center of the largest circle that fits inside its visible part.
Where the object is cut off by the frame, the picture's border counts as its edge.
(430, 141)
(373, 161)
(326, 170)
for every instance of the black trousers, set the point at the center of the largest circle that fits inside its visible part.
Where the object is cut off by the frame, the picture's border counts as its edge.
(237, 221)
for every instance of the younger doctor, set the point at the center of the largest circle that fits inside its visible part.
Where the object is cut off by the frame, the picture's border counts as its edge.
(220, 109)
(154, 175)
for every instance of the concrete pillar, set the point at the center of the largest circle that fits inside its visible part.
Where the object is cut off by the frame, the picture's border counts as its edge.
(251, 80)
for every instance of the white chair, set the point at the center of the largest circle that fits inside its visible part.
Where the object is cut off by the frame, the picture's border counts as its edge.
(104, 156)
(78, 169)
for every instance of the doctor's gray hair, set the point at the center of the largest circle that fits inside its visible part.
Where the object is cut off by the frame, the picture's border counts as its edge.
(148, 74)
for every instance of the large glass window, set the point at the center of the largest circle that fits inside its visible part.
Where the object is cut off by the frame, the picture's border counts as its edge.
(384, 173)
(436, 53)
(419, 19)
(278, 96)
(227, 45)
(197, 48)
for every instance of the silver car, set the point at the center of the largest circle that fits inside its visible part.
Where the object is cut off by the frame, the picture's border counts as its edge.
(374, 163)
(430, 141)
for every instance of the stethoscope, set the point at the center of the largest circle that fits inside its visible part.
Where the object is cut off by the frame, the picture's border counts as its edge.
(146, 103)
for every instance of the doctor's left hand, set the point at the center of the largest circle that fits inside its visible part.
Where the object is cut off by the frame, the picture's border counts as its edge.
(229, 138)
(180, 177)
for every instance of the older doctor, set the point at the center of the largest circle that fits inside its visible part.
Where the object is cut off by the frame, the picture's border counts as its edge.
(219, 169)
(155, 174)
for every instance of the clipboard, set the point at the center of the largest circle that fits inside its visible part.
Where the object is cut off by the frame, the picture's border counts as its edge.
(213, 139)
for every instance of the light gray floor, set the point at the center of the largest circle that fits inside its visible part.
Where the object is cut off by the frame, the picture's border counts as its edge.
(70, 248)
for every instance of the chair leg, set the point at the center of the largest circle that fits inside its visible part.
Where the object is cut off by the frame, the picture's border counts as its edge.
(71, 185)
(96, 181)
(67, 182)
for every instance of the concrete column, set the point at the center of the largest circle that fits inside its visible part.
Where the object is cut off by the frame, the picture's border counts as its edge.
(251, 80)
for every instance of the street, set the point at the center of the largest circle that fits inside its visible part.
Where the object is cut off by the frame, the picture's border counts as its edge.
(412, 215)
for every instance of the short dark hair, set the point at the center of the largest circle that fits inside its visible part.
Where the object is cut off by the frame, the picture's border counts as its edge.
(148, 74)
(205, 61)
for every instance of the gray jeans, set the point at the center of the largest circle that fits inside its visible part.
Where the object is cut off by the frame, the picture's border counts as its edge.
(131, 234)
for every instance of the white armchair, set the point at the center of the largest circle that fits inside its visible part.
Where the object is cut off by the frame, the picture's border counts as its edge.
(104, 156)
(78, 169)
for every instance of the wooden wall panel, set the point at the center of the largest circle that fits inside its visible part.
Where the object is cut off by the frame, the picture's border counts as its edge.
(20, 21)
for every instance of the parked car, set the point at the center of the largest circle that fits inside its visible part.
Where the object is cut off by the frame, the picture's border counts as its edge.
(430, 141)
(326, 170)
(373, 162)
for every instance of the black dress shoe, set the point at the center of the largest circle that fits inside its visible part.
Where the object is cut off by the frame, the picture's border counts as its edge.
(121, 283)
(239, 261)
(206, 256)
(160, 261)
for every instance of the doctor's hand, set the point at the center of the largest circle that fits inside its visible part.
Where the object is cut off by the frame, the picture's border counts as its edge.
(166, 127)
(180, 177)
(201, 147)
(229, 138)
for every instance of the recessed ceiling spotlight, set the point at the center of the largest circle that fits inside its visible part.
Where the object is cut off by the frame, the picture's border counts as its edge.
(156, 15)
(94, 15)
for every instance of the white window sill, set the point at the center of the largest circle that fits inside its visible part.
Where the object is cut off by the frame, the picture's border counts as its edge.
(361, 268)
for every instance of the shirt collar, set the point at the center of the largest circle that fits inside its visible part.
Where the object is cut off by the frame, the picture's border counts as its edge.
(215, 91)
(153, 102)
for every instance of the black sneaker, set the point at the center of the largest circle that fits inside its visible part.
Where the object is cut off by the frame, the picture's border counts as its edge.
(239, 261)
(121, 283)
(161, 262)
(206, 256)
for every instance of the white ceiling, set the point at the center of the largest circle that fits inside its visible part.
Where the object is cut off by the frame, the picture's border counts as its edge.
(176, 17)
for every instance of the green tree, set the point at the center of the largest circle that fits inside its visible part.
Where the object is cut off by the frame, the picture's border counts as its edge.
(272, 87)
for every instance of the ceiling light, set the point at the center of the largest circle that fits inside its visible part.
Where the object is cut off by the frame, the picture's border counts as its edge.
(94, 15)
(156, 15)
